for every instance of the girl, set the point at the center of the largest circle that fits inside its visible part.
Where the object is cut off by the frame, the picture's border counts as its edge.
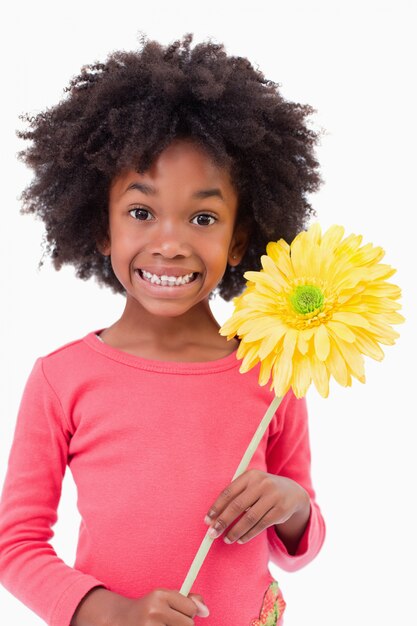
(163, 174)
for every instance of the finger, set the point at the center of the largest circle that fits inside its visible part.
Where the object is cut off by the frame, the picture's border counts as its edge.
(235, 509)
(202, 608)
(256, 519)
(230, 493)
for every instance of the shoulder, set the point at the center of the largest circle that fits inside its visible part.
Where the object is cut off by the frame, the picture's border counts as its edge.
(66, 348)
(66, 359)
(65, 351)
(290, 417)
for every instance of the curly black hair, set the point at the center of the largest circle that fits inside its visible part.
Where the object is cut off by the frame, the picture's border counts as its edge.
(123, 113)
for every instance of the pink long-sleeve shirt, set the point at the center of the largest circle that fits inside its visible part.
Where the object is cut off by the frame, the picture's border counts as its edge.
(150, 446)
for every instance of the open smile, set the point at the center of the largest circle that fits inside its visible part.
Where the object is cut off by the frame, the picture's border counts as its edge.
(165, 281)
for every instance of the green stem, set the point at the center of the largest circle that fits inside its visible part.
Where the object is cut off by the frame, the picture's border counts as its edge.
(207, 541)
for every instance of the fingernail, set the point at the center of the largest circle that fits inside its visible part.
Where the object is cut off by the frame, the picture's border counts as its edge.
(207, 520)
(202, 609)
(213, 533)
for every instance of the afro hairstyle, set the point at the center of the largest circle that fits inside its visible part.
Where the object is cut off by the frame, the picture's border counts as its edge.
(123, 113)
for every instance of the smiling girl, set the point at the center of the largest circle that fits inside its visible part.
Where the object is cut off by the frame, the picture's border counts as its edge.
(171, 236)
(162, 174)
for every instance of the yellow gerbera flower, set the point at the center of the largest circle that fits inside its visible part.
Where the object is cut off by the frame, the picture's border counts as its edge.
(314, 309)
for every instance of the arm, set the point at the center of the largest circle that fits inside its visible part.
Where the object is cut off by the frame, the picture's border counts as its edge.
(291, 531)
(297, 542)
(98, 608)
(29, 567)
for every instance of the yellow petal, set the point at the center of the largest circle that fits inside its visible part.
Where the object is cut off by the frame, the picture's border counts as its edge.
(265, 368)
(272, 270)
(348, 246)
(260, 303)
(307, 333)
(394, 318)
(313, 235)
(321, 342)
(236, 319)
(263, 279)
(383, 290)
(290, 341)
(312, 251)
(280, 254)
(367, 255)
(253, 324)
(341, 330)
(381, 272)
(271, 341)
(301, 376)
(302, 344)
(250, 358)
(304, 336)
(320, 376)
(350, 319)
(348, 279)
(276, 249)
(337, 365)
(332, 237)
(352, 356)
(368, 346)
(281, 374)
(365, 303)
(298, 256)
(262, 328)
(242, 349)
(382, 332)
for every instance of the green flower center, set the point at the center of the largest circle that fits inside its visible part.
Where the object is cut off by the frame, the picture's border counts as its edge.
(306, 299)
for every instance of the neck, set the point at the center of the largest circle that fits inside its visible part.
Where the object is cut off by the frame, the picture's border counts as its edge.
(197, 326)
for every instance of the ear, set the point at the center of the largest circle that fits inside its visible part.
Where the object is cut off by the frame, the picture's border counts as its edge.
(239, 244)
(104, 247)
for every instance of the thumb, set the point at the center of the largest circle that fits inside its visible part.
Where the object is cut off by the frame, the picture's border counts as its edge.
(202, 609)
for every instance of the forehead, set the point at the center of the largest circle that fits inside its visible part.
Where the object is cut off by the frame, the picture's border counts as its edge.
(183, 165)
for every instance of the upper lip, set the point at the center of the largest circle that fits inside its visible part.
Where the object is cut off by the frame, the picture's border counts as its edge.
(167, 271)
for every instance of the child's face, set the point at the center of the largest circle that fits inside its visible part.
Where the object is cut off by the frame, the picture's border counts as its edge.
(171, 229)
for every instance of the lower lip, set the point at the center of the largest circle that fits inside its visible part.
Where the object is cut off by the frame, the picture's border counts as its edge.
(166, 290)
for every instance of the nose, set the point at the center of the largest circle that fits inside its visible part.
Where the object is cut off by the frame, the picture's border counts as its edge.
(169, 240)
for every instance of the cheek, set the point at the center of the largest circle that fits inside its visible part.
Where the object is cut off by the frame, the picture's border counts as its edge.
(125, 239)
(218, 251)
(221, 243)
(218, 261)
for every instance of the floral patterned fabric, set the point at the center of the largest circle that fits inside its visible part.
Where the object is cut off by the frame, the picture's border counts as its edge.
(272, 608)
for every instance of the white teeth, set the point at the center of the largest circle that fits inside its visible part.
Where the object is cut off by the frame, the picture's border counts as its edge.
(167, 280)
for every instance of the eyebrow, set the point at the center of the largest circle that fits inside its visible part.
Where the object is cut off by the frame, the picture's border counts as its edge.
(150, 191)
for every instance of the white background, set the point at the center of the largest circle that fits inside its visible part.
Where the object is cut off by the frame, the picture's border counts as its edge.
(355, 63)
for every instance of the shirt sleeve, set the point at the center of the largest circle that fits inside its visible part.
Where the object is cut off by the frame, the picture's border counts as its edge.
(288, 454)
(29, 567)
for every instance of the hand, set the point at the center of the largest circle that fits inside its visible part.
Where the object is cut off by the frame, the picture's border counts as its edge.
(266, 499)
(160, 607)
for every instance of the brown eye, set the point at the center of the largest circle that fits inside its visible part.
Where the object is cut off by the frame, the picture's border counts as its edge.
(140, 214)
(203, 219)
